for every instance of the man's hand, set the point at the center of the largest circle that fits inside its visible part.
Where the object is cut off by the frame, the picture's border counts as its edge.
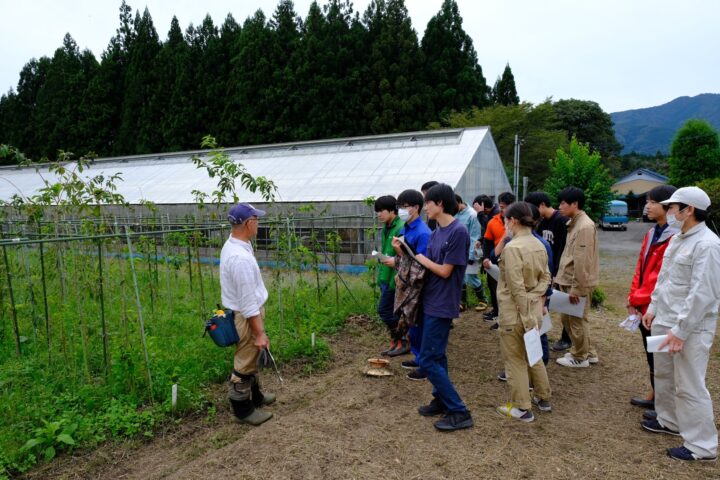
(674, 344)
(389, 262)
(395, 242)
(631, 310)
(486, 263)
(574, 299)
(477, 244)
(647, 320)
(262, 341)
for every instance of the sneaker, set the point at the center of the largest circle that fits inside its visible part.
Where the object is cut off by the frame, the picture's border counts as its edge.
(642, 402)
(543, 405)
(502, 377)
(481, 306)
(463, 307)
(650, 415)
(572, 362)
(655, 427)
(435, 407)
(417, 375)
(682, 453)
(495, 326)
(560, 346)
(489, 317)
(593, 360)
(454, 421)
(515, 413)
(409, 364)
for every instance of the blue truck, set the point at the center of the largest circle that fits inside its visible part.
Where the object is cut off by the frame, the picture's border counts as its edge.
(615, 218)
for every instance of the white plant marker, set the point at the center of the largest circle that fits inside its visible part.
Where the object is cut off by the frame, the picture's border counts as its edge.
(174, 396)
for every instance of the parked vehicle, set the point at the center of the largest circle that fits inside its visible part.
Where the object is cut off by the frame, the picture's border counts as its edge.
(616, 216)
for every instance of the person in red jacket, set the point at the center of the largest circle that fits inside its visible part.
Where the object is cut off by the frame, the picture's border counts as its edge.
(646, 273)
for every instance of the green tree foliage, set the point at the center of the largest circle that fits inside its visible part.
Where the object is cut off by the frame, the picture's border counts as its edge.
(504, 91)
(576, 166)
(695, 154)
(451, 66)
(590, 124)
(711, 186)
(535, 126)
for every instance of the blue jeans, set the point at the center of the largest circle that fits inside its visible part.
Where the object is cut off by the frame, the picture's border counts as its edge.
(415, 335)
(433, 361)
(473, 280)
(386, 306)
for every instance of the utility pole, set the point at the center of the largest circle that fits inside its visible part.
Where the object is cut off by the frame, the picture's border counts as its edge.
(525, 185)
(516, 167)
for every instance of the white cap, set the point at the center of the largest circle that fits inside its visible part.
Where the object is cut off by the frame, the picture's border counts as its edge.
(690, 196)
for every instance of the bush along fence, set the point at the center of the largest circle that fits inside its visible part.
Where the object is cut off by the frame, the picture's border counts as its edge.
(99, 320)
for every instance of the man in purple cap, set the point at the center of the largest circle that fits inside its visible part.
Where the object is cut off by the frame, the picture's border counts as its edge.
(684, 308)
(244, 292)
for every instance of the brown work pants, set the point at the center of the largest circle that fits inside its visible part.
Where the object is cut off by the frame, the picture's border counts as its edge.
(519, 373)
(579, 330)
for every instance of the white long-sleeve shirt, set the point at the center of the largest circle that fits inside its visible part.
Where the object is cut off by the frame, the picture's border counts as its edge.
(241, 285)
(687, 293)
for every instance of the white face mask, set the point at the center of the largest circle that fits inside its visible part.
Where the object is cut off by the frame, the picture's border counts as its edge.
(508, 230)
(404, 214)
(673, 222)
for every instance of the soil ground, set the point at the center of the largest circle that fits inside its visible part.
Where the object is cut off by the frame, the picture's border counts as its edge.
(341, 424)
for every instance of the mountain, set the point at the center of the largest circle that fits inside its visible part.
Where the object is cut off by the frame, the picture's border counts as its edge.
(649, 130)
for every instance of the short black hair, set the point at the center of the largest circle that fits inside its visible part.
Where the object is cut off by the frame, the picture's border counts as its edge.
(700, 215)
(483, 200)
(442, 193)
(535, 212)
(428, 185)
(571, 195)
(521, 212)
(458, 199)
(411, 197)
(661, 193)
(386, 202)
(538, 198)
(506, 197)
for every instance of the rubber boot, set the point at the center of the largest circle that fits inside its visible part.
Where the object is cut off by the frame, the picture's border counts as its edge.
(259, 399)
(402, 348)
(245, 412)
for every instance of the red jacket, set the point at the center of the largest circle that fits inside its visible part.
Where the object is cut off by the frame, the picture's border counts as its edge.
(648, 268)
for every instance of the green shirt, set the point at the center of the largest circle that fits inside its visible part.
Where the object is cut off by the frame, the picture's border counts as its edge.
(385, 273)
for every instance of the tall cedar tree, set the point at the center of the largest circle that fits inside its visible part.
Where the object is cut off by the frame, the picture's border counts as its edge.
(139, 131)
(504, 91)
(215, 70)
(451, 66)
(397, 97)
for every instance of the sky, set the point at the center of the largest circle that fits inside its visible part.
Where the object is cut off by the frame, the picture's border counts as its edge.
(623, 54)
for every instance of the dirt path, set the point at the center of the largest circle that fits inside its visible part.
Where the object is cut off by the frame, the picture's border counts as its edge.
(341, 424)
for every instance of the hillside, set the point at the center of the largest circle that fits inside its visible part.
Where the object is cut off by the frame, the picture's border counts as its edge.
(649, 130)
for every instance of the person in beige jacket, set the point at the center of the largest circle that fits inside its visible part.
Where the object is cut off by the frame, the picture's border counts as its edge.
(578, 275)
(524, 279)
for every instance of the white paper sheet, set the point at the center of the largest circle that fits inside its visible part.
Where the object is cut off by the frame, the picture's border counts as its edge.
(533, 348)
(560, 302)
(493, 271)
(654, 341)
(380, 256)
(631, 323)
(546, 324)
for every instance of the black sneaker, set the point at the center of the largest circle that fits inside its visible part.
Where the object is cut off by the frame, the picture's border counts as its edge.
(560, 346)
(409, 364)
(655, 427)
(650, 415)
(682, 453)
(454, 421)
(417, 375)
(489, 317)
(435, 407)
(495, 326)
(502, 377)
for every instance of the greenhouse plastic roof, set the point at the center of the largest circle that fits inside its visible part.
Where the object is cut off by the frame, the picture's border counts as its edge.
(350, 169)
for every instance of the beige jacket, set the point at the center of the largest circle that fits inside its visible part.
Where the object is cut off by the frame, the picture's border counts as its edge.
(580, 261)
(524, 278)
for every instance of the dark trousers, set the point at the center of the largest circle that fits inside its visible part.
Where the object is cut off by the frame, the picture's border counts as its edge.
(492, 286)
(386, 307)
(433, 361)
(545, 348)
(650, 356)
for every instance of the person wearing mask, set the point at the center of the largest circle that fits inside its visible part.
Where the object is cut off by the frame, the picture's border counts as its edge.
(552, 228)
(416, 235)
(524, 279)
(445, 261)
(386, 210)
(469, 219)
(578, 275)
(243, 291)
(647, 270)
(494, 234)
(684, 306)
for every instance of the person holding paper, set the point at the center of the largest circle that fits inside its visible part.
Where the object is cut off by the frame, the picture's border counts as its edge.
(386, 210)
(445, 261)
(469, 219)
(524, 279)
(578, 275)
(646, 272)
(684, 306)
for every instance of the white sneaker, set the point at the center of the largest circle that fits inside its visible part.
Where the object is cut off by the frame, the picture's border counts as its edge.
(572, 362)
(508, 410)
(593, 360)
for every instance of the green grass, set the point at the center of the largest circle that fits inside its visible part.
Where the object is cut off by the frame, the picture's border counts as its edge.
(71, 388)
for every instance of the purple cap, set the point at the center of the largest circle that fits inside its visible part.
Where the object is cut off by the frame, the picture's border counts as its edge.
(242, 211)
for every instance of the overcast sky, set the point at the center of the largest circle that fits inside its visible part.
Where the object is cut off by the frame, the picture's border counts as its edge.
(623, 54)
